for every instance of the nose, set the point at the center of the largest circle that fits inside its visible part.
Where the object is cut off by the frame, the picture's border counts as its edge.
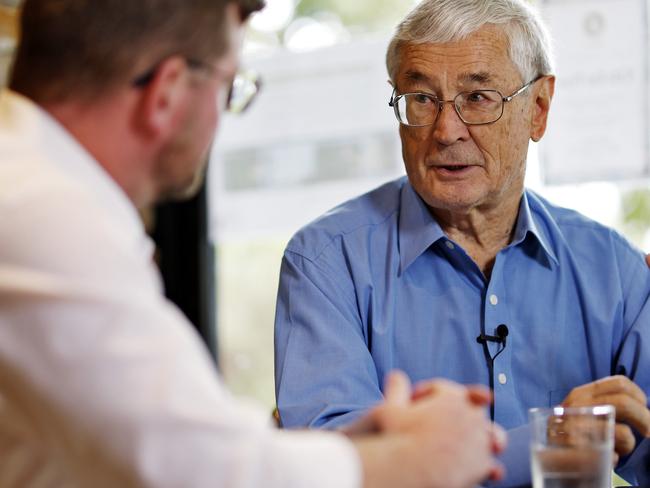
(448, 127)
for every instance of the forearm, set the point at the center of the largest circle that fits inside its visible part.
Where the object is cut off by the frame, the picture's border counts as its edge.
(324, 371)
(380, 458)
(163, 435)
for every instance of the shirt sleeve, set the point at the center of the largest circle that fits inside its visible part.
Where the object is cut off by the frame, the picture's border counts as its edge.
(632, 356)
(324, 372)
(105, 383)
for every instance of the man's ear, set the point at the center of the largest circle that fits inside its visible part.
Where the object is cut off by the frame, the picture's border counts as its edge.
(163, 99)
(541, 106)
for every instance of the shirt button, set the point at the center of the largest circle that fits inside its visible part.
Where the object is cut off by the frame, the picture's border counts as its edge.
(494, 299)
(503, 379)
(450, 245)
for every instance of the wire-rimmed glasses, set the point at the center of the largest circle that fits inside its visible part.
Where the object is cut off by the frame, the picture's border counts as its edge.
(476, 107)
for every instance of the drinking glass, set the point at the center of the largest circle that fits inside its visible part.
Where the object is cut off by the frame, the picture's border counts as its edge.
(572, 447)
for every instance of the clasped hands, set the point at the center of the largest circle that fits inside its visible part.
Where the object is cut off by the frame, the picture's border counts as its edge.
(442, 436)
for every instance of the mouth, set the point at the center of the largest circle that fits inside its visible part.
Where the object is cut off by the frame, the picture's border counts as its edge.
(454, 167)
(453, 171)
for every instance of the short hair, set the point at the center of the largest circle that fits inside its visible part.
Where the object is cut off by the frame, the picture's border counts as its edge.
(441, 21)
(83, 48)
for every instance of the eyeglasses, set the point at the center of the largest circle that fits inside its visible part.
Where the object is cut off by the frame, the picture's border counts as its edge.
(477, 107)
(243, 90)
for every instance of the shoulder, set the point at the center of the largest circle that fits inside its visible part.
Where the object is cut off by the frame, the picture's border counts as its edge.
(361, 215)
(54, 224)
(584, 236)
(32, 189)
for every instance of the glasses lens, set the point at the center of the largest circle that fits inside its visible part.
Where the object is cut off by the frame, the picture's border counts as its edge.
(416, 109)
(479, 107)
(245, 88)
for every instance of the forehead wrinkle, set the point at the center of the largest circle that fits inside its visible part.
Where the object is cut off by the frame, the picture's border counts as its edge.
(432, 74)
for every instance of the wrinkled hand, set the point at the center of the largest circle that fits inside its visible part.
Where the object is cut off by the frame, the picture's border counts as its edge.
(438, 431)
(630, 403)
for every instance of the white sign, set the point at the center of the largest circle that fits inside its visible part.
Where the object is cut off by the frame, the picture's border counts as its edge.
(598, 126)
(320, 133)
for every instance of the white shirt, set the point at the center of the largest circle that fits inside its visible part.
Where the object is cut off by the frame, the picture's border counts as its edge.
(102, 381)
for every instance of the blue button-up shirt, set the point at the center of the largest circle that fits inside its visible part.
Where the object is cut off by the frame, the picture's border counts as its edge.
(375, 285)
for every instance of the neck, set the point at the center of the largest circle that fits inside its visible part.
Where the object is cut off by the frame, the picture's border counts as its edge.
(482, 231)
(108, 136)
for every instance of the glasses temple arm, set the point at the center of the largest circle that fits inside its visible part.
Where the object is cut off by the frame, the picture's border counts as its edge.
(522, 89)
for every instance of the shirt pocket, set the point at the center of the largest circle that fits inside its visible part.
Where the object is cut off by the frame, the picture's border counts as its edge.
(555, 397)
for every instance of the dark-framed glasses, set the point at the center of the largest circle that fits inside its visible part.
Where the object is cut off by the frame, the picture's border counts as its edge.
(145, 78)
(476, 107)
(244, 88)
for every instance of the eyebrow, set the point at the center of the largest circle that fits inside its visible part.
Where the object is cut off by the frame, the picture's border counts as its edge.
(480, 77)
(417, 76)
(468, 77)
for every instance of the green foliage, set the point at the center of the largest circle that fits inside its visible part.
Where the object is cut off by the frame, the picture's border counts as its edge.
(636, 214)
(636, 208)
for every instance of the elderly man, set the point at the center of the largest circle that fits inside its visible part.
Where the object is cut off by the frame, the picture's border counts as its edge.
(102, 381)
(458, 271)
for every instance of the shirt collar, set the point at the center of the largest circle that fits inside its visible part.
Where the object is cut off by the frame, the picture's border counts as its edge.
(526, 224)
(418, 229)
(32, 130)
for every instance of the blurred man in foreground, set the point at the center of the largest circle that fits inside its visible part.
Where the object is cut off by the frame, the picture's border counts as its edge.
(457, 270)
(113, 106)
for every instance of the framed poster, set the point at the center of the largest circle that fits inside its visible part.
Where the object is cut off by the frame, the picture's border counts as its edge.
(599, 122)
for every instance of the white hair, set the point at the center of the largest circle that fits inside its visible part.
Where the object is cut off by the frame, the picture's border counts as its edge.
(441, 21)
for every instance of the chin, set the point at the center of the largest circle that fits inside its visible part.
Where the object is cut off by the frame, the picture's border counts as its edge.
(185, 190)
(453, 201)
(456, 206)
